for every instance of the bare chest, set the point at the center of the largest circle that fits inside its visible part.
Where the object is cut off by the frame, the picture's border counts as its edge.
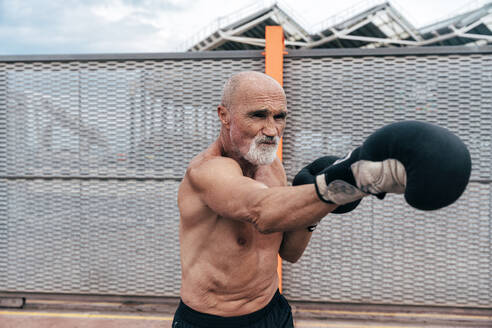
(245, 235)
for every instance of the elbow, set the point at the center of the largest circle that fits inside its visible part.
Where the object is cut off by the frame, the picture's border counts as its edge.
(292, 258)
(261, 222)
(263, 216)
(266, 230)
(264, 227)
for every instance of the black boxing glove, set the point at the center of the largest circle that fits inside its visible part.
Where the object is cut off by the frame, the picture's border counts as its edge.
(428, 163)
(308, 175)
(437, 163)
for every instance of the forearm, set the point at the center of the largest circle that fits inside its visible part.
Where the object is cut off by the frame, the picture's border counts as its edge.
(288, 208)
(293, 244)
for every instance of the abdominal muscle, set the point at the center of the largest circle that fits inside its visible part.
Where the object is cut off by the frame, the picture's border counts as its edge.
(228, 267)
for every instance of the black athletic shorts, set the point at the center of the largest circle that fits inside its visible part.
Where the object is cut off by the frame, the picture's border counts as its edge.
(277, 314)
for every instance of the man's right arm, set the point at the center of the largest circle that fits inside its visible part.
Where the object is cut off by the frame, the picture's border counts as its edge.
(222, 187)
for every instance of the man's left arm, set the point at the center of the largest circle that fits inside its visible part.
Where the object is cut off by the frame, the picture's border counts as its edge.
(293, 244)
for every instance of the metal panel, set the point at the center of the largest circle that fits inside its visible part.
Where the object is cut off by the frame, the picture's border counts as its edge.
(214, 55)
(335, 103)
(91, 236)
(91, 155)
(386, 252)
(389, 51)
(92, 151)
(112, 119)
(251, 54)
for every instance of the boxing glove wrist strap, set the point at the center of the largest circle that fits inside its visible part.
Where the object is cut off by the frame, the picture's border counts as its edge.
(388, 176)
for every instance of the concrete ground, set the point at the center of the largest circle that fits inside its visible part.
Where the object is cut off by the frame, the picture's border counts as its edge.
(84, 314)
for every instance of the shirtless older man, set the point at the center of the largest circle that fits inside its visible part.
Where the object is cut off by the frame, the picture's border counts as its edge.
(237, 214)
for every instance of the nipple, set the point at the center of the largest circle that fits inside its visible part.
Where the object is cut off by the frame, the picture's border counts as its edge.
(241, 241)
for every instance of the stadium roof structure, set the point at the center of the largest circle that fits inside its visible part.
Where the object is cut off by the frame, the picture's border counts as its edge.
(381, 25)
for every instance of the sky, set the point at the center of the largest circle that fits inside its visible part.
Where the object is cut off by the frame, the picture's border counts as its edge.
(136, 26)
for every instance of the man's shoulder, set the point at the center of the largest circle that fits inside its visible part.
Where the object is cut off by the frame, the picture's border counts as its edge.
(207, 165)
(204, 160)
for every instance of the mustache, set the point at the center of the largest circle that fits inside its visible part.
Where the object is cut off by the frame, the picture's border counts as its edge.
(267, 139)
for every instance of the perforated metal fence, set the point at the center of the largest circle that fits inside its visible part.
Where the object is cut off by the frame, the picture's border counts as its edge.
(387, 252)
(92, 153)
(92, 150)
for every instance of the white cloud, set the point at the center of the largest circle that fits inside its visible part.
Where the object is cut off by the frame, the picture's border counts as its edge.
(112, 11)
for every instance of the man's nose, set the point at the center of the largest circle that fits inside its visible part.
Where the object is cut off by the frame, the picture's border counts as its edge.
(269, 129)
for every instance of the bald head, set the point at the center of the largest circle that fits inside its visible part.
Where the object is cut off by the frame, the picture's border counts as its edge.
(244, 84)
(253, 114)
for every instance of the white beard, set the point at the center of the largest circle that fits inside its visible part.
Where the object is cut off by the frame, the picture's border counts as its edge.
(260, 153)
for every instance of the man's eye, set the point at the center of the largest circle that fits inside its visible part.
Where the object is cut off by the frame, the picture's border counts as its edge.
(280, 116)
(259, 115)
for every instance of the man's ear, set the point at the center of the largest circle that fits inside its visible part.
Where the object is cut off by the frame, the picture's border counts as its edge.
(224, 115)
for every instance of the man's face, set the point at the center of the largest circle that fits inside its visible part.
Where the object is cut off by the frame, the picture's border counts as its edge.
(257, 123)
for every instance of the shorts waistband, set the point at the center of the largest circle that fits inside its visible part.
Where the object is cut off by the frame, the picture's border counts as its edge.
(213, 321)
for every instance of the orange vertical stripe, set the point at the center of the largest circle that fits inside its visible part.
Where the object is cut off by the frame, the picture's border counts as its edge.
(274, 52)
(274, 67)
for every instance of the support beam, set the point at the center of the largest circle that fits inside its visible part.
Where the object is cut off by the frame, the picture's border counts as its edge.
(476, 36)
(339, 34)
(274, 67)
(403, 23)
(245, 27)
(257, 41)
